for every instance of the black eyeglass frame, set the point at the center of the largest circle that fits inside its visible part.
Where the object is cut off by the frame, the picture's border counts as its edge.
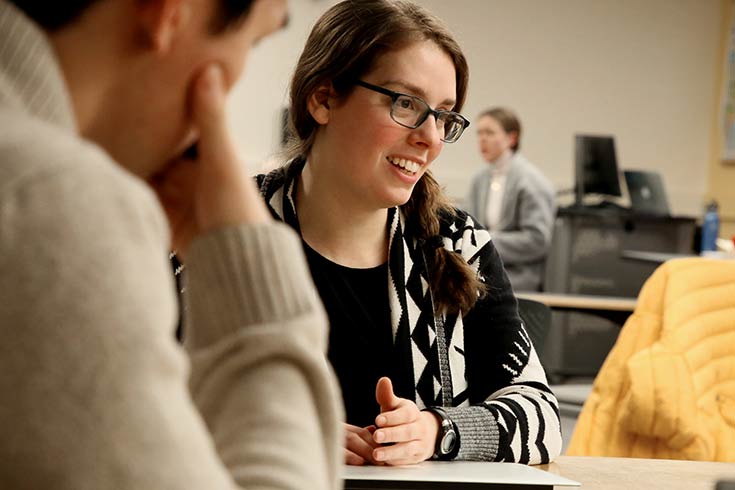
(429, 111)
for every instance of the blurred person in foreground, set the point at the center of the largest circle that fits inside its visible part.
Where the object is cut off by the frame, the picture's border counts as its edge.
(99, 99)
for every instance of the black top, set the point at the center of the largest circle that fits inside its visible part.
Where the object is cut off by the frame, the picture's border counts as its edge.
(360, 337)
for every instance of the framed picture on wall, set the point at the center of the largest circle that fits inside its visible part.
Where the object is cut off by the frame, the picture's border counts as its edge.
(727, 114)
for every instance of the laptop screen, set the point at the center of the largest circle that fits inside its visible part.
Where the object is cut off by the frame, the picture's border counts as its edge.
(647, 194)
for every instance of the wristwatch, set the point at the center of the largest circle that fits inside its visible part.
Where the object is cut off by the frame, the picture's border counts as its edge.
(447, 439)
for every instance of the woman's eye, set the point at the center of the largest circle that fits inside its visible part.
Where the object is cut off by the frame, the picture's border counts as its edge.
(405, 103)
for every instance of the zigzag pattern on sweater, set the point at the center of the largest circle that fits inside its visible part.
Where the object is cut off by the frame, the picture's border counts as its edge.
(505, 412)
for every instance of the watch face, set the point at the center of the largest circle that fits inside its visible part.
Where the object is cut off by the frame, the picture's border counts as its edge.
(448, 441)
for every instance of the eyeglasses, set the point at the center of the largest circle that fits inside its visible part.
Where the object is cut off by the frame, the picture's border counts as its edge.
(411, 112)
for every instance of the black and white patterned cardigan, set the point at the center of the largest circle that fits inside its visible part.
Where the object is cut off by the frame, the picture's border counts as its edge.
(481, 366)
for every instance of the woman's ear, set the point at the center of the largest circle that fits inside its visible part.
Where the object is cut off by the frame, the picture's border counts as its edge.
(318, 102)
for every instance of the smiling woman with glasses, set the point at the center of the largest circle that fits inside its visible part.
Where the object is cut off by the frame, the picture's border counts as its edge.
(425, 337)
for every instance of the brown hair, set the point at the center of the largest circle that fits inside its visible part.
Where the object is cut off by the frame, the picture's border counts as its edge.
(508, 120)
(344, 45)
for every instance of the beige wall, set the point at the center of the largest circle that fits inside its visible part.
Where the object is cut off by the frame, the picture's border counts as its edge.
(643, 70)
(722, 176)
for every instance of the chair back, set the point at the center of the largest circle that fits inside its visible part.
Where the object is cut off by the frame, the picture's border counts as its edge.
(536, 317)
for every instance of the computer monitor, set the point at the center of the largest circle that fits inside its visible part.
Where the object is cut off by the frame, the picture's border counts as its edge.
(596, 167)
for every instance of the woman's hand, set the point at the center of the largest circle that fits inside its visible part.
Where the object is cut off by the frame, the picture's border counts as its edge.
(359, 445)
(211, 189)
(412, 432)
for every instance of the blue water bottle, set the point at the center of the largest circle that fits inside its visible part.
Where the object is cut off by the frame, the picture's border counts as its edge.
(710, 227)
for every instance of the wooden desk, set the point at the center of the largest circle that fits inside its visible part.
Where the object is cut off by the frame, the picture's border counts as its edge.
(582, 302)
(655, 257)
(634, 474)
(583, 330)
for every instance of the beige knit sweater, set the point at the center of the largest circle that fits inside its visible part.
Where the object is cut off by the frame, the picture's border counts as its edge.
(94, 392)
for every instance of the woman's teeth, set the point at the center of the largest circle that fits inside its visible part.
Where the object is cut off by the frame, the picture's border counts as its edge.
(409, 167)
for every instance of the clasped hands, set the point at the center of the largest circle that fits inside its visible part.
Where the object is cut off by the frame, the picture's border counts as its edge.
(410, 432)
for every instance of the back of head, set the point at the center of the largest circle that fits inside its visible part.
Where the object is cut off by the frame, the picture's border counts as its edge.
(345, 44)
(129, 65)
(55, 15)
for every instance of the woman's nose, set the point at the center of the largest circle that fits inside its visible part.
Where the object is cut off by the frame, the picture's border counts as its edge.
(428, 133)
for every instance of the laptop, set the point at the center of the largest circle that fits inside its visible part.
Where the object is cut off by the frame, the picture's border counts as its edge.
(457, 475)
(647, 194)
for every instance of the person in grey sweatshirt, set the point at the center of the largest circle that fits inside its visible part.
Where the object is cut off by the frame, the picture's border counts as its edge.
(98, 101)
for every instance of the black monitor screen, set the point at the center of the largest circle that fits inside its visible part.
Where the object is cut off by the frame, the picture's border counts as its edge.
(596, 166)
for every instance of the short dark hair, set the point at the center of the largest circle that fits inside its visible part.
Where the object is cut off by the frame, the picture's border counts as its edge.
(231, 14)
(54, 15)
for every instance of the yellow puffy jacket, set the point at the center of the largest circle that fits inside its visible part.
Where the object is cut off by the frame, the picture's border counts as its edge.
(667, 388)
